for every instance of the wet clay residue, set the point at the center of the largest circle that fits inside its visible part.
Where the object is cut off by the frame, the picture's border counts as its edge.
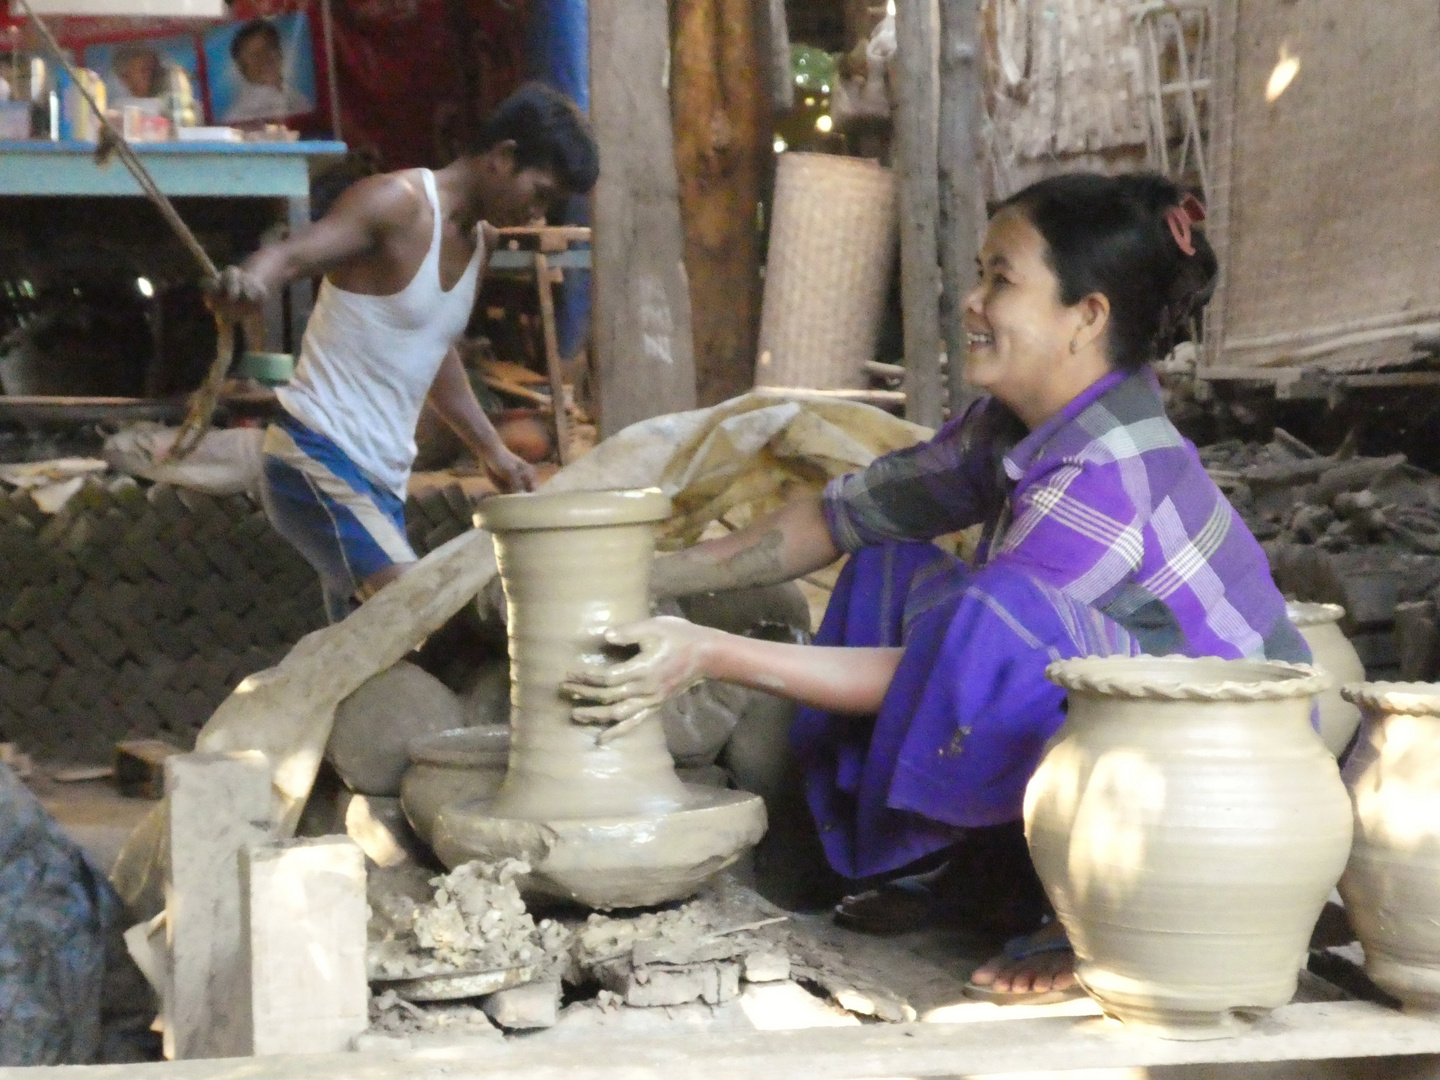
(475, 921)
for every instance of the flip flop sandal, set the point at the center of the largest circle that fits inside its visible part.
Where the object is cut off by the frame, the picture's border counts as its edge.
(1022, 948)
(897, 907)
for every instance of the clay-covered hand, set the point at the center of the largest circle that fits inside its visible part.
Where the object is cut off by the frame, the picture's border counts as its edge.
(238, 291)
(512, 472)
(672, 658)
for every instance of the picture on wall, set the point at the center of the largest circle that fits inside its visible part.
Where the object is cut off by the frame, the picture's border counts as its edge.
(140, 68)
(262, 69)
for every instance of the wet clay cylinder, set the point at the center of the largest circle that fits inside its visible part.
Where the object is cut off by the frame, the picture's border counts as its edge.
(1188, 825)
(605, 824)
(1391, 886)
(1319, 625)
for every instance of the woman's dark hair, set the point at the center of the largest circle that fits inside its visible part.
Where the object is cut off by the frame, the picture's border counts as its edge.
(550, 132)
(1109, 235)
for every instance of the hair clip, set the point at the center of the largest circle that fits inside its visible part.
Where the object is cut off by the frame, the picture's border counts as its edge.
(1190, 211)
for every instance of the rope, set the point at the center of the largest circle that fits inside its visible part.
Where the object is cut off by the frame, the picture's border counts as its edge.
(204, 400)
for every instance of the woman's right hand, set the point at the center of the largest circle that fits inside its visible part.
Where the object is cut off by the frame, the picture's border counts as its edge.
(673, 657)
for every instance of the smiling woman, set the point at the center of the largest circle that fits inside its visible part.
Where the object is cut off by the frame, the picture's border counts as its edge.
(927, 704)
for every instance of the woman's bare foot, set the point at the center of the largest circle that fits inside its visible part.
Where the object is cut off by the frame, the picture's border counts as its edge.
(1042, 964)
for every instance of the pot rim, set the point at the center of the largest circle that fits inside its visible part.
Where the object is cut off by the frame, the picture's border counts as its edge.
(1410, 698)
(1312, 613)
(1147, 678)
(572, 510)
(439, 747)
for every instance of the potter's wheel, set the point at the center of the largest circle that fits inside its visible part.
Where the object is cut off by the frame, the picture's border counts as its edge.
(610, 862)
(454, 985)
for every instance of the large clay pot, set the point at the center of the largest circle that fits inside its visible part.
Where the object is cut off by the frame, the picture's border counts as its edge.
(1392, 884)
(1188, 826)
(1319, 625)
(604, 823)
(452, 767)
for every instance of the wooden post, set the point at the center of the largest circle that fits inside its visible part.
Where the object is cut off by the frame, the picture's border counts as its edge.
(722, 150)
(543, 286)
(916, 162)
(962, 192)
(777, 45)
(644, 351)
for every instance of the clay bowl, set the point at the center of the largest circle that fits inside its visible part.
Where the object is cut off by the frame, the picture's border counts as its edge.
(452, 767)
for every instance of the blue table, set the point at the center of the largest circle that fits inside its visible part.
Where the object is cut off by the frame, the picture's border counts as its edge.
(207, 169)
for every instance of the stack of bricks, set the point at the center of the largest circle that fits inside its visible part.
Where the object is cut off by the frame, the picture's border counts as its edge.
(136, 609)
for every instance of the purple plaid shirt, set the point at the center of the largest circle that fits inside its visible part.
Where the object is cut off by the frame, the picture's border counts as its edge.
(1106, 502)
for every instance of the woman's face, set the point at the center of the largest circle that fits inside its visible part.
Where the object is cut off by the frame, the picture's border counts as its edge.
(1019, 333)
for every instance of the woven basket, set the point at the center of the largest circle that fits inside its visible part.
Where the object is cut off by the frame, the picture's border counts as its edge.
(833, 235)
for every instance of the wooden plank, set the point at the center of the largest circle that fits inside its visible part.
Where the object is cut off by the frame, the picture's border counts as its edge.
(917, 165)
(962, 188)
(552, 357)
(1310, 1032)
(643, 346)
(722, 150)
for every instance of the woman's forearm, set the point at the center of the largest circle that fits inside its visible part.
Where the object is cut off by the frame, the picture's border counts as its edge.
(843, 680)
(781, 547)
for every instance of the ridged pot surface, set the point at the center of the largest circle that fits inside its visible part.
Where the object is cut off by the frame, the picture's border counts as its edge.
(1391, 886)
(1319, 625)
(1188, 825)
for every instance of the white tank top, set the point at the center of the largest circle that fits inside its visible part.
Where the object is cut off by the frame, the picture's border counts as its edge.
(367, 362)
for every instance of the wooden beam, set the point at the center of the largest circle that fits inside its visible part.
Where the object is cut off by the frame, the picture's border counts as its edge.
(918, 168)
(643, 346)
(722, 152)
(1311, 1032)
(962, 190)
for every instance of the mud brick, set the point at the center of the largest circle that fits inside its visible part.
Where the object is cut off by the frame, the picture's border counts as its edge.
(443, 534)
(12, 654)
(43, 655)
(139, 714)
(229, 631)
(26, 605)
(99, 563)
(140, 767)
(68, 640)
(116, 603)
(58, 692)
(105, 643)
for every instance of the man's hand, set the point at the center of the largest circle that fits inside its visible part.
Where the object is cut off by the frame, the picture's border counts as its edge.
(238, 292)
(511, 472)
(672, 658)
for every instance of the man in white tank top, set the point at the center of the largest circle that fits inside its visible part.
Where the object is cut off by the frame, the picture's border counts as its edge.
(402, 256)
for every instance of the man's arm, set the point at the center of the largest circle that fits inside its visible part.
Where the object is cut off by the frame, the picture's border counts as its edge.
(452, 396)
(789, 543)
(356, 225)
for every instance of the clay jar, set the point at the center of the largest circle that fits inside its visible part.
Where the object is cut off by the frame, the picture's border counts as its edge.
(1319, 625)
(1188, 826)
(608, 824)
(1392, 885)
(452, 767)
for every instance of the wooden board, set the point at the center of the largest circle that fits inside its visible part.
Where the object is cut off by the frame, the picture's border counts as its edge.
(643, 346)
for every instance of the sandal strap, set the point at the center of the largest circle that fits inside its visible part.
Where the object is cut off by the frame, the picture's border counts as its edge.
(1025, 946)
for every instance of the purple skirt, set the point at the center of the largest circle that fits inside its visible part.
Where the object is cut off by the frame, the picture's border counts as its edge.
(965, 720)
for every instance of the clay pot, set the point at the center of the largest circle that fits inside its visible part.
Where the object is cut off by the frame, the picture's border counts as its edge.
(452, 767)
(607, 824)
(525, 434)
(1392, 885)
(1188, 826)
(374, 726)
(1319, 625)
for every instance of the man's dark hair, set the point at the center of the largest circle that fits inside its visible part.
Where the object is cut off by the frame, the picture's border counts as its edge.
(550, 132)
(253, 28)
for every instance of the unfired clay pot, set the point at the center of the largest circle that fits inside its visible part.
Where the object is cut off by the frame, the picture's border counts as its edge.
(1188, 825)
(1392, 885)
(452, 767)
(605, 824)
(1319, 625)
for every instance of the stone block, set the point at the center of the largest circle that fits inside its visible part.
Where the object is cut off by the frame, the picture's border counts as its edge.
(216, 806)
(534, 1005)
(304, 923)
(767, 967)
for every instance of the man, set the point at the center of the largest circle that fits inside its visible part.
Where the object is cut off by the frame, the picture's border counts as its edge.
(260, 60)
(402, 257)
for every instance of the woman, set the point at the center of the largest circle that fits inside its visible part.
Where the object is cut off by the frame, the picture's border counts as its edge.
(926, 707)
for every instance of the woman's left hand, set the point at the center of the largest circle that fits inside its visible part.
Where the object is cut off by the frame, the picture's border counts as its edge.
(672, 658)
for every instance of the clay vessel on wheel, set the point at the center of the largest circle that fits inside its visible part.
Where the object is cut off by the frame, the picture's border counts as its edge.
(606, 824)
(1392, 884)
(1188, 825)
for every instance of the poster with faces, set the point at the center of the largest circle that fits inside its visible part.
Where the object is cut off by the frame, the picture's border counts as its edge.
(139, 69)
(261, 70)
